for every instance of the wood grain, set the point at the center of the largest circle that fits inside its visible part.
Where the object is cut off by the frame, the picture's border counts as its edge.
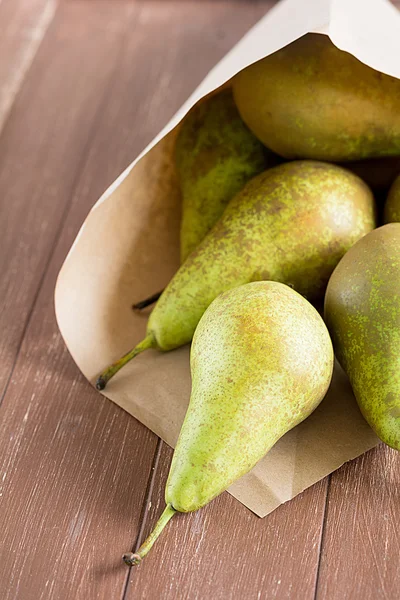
(74, 472)
(174, 45)
(68, 502)
(361, 548)
(23, 26)
(225, 552)
(41, 150)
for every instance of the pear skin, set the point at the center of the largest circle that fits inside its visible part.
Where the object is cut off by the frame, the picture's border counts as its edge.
(292, 223)
(312, 100)
(362, 312)
(392, 204)
(261, 362)
(216, 154)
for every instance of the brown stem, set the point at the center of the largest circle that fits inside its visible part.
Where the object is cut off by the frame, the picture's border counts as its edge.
(147, 301)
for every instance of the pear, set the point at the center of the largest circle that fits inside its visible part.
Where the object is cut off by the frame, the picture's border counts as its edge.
(261, 362)
(215, 155)
(392, 204)
(362, 311)
(312, 100)
(292, 223)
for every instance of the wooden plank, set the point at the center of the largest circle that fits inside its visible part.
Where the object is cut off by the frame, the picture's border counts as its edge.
(67, 493)
(41, 151)
(23, 25)
(74, 469)
(176, 43)
(225, 552)
(361, 544)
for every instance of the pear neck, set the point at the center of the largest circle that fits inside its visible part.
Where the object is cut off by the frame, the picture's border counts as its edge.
(148, 342)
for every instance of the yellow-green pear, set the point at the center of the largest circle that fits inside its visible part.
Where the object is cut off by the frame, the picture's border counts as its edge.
(362, 312)
(261, 362)
(215, 155)
(392, 204)
(312, 100)
(292, 224)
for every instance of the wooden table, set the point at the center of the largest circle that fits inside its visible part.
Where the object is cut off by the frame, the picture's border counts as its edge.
(84, 86)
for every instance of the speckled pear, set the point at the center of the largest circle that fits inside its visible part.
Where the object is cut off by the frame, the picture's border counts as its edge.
(362, 311)
(261, 362)
(216, 154)
(392, 204)
(292, 224)
(312, 100)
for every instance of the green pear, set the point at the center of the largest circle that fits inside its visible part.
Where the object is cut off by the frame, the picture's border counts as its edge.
(312, 100)
(216, 154)
(261, 362)
(292, 223)
(362, 311)
(392, 204)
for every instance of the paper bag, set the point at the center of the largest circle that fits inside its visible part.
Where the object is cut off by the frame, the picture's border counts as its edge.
(128, 248)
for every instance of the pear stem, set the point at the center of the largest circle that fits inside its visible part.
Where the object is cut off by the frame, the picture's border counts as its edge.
(134, 558)
(147, 301)
(104, 378)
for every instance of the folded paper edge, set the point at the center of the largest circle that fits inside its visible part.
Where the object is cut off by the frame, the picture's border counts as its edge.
(263, 513)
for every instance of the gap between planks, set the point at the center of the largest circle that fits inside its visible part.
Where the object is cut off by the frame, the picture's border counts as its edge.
(322, 536)
(145, 510)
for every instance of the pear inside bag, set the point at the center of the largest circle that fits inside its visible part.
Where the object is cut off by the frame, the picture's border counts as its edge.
(128, 248)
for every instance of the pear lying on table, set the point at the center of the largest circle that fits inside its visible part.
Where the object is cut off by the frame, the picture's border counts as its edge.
(261, 362)
(392, 204)
(312, 100)
(362, 311)
(215, 154)
(292, 224)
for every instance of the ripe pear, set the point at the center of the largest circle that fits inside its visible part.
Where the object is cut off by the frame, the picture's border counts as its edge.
(292, 223)
(312, 100)
(216, 154)
(362, 311)
(392, 204)
(261, 362)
